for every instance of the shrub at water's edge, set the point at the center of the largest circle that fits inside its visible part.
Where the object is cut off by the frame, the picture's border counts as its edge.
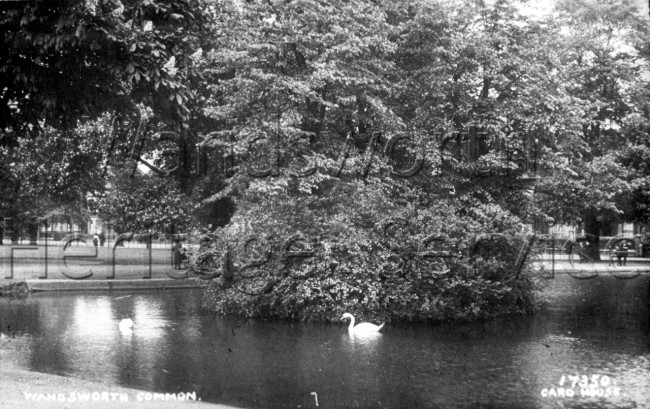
(454, 300)
(19, 289)
(374, 258)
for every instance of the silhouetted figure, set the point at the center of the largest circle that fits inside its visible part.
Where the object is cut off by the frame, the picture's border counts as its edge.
(583, 251)
(645, 246)
(621, 253)
(177, 255)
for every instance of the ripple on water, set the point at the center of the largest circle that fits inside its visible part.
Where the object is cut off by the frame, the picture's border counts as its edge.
(502, 363)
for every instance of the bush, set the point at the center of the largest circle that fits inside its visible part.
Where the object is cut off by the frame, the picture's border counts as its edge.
(19, 289)
(367, 259)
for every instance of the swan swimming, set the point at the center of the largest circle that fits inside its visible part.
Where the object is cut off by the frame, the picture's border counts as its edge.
(361, 328)
(126, 324)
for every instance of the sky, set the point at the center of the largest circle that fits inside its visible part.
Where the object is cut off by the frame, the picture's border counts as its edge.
(541, 7)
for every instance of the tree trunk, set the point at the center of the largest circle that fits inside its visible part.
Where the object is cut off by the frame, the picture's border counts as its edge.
(592, 233)
(15, 235)
(32, 231)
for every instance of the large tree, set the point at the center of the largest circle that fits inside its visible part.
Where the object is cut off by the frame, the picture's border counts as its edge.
(310, 104)
(76, 78)
(480, 89)
(603, 64)
(144, 203)
(63, 61)
(50, 176)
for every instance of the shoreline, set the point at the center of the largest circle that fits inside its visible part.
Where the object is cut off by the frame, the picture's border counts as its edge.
(20, 288)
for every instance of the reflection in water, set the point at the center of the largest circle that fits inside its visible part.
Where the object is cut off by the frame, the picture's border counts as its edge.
(362, 354)
(89, 333)
(92, 318)
(592, 327)
(367, 340)
(149, 317)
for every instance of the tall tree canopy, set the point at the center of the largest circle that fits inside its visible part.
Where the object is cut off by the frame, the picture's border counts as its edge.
(63, 61)
(75, 78)
(323, 107)
(604, 63)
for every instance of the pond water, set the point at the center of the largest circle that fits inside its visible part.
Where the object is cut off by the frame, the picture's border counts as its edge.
(591, 327)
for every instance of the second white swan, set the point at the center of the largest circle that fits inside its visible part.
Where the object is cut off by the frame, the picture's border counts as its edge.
(126, 325)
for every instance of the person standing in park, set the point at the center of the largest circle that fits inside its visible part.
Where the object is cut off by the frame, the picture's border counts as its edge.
(645, 246)
(176, 254)
(621, 253)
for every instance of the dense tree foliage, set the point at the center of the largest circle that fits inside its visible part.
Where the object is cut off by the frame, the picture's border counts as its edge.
(144, 204)
(62, 61)
(377, 157)
(605, 67)
(313, 111)
(506, 117)
(50, 176)
(75, 78)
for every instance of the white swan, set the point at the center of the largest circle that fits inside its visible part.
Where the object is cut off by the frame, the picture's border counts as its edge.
(126, 325)
(364, 327)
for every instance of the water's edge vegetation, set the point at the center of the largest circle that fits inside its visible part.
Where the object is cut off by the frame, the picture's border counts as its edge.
(411, 266)
(18, 289)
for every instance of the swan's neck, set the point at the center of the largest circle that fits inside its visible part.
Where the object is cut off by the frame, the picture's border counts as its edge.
(351, 324)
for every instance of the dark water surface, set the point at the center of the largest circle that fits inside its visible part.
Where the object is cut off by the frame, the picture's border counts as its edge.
(591, 327)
